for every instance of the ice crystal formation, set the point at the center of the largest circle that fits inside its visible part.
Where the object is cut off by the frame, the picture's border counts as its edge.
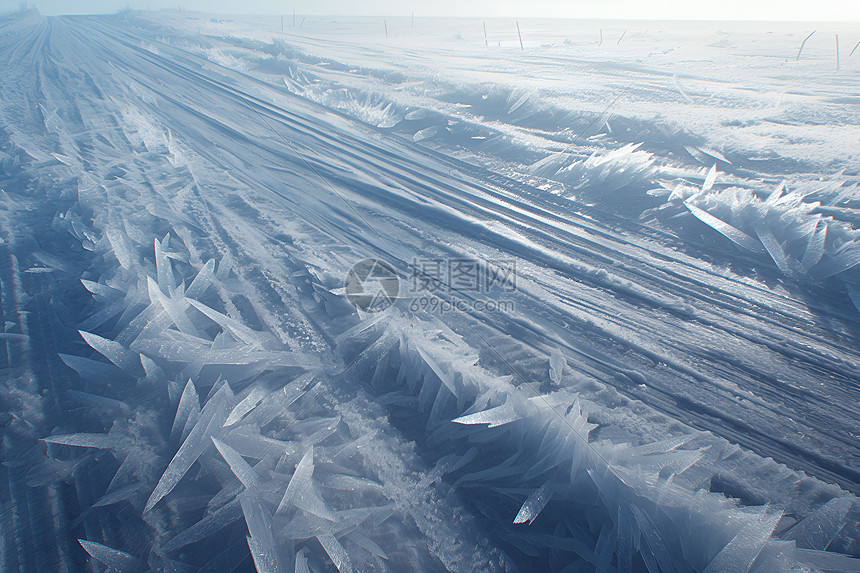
(671, 384)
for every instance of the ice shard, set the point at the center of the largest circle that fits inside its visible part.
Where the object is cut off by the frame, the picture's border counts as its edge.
(818, 529)
(115, 559)
(211, 419)
(741, 552)
(733, 234)
(498, 416)
(534, 504)
(301, 493)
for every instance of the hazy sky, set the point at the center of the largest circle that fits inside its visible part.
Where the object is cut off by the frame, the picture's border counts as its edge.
(837, 10)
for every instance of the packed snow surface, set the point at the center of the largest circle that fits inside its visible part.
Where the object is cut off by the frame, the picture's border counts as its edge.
(428, 295)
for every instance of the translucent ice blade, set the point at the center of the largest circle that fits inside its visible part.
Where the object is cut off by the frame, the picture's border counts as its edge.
(211, 523)
(350, 483)
(741, 552)
(175, 308)
(164, 270)
(188, 403)
(497, 416)
(731, 233)
(251, 401)
(667, 445)
(261, 541)
(244, 333)
(195, 444)
(695, 153)
(367, 543)
(240, 468)
(556, 366)
(101, 290)
(121, 246)
(818, 529)
(336, 552)
(714, 154)
(775, 194)
(774, 249)
(710, 178)
(98, 441)
(534, 505)
(846, 258)
(828, 561)
(300, 491)
(202, 280)
(815, 248)
(444, 376)
(115, 559)
(115, 352)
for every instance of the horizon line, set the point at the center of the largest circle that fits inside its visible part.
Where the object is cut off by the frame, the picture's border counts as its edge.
(446, 17)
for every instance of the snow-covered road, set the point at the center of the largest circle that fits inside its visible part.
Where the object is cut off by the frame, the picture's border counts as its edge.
(196, 222)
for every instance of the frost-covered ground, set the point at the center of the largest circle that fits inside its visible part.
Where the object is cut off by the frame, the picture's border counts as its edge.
(625, 329)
